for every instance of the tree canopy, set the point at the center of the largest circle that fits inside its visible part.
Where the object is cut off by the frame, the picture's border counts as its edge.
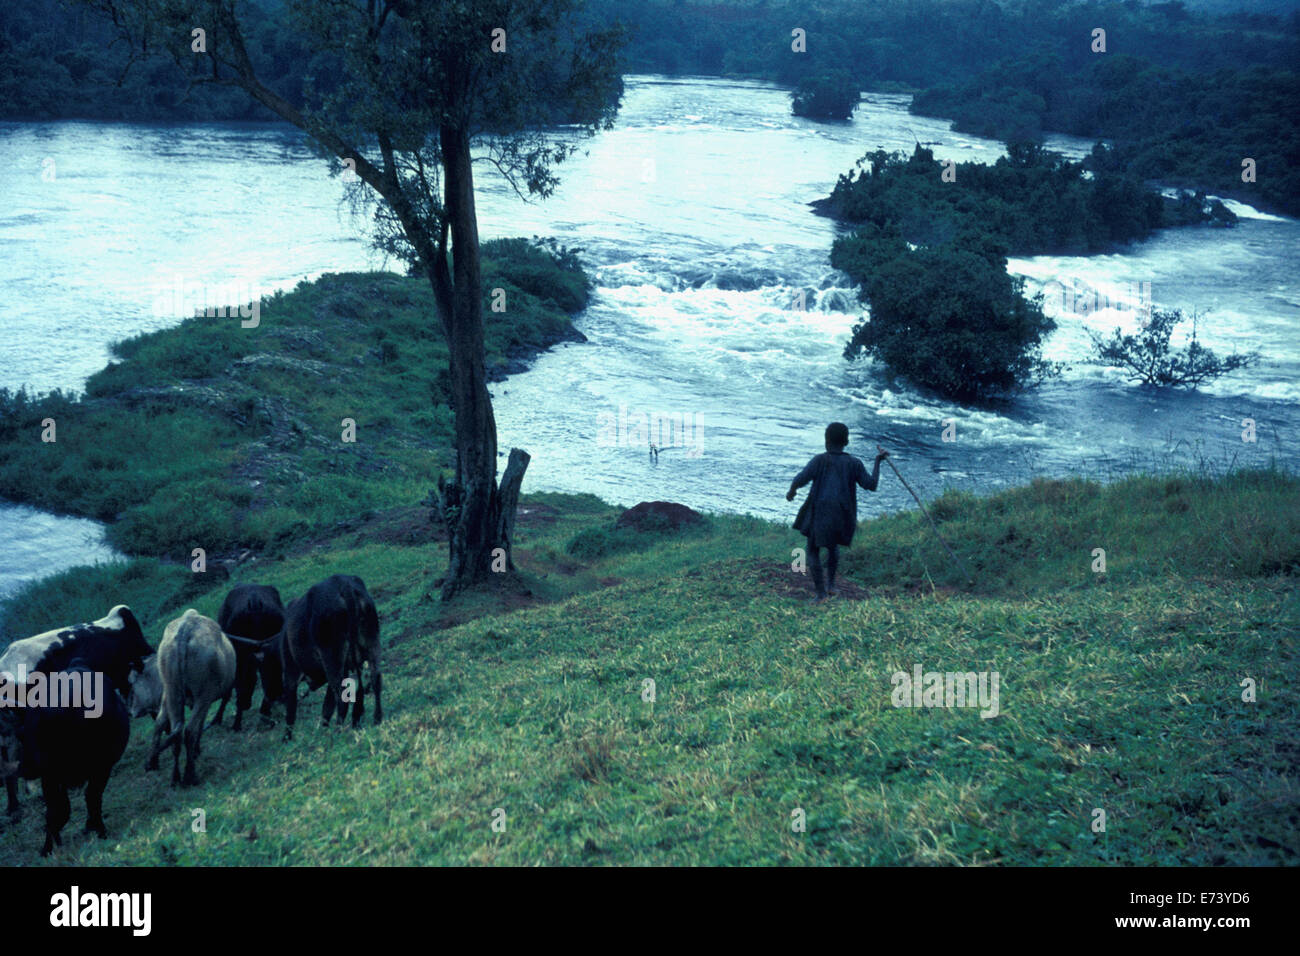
(947, 316)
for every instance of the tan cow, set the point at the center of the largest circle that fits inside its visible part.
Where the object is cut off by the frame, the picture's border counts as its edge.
(196, 662)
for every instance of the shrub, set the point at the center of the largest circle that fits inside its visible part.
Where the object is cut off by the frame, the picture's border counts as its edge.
(832, 97)
(205, 514)
(949, 318)
(591, 543)
(1148, 358)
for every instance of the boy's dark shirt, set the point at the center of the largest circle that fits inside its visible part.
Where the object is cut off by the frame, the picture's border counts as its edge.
(832, 515)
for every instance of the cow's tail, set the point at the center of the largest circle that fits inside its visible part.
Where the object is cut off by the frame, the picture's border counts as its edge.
(182, 653)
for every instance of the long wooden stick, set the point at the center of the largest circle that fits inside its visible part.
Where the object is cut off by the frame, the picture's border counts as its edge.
(969, 577)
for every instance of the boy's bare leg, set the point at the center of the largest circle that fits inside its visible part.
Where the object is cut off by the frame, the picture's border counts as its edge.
(815, 566)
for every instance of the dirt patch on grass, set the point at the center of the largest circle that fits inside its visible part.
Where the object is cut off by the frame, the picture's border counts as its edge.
(405, 527)
(779, 579)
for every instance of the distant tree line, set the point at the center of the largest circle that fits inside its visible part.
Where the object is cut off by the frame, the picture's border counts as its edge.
(62, 59)
(1183, 96)
(1181, 128)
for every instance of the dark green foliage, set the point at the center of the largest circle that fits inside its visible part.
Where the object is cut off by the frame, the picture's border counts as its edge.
(58, 61)
(53, 63)
(1182, 127)
(1032, 201)
(948, 316)
(544, 269)
(916, 41)
(944, 312)
(1148, 358)
(833, 96)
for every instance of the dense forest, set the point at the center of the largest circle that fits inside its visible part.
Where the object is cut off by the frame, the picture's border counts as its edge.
(1184, 95)
(1183, 129)
(59, 60)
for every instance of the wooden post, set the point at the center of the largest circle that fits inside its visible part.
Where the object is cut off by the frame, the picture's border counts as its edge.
(509, 500)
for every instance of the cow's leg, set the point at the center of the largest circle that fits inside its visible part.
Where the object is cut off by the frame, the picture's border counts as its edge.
(177, 718)
(268, 700)
(245, 681)
(57, 811)
(369, 630)
(193, 741)
(95, 802)
(344, 704)
(291, 678)
(271, 671)
(333, 663)
(11, 780)
(221, 710)
(160, 725)
(376, 682)
(359, 706)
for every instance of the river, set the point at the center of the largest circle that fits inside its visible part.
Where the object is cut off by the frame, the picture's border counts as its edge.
(717, 324)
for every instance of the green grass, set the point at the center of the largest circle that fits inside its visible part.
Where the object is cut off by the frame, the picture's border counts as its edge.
(215, 436)
(1119, 692)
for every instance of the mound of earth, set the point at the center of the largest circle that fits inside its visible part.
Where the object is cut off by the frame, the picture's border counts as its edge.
(657, 516)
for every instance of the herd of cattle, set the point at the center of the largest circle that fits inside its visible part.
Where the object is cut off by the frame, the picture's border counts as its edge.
(323, 637)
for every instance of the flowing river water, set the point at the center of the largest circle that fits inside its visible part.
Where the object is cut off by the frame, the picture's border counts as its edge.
(716, 326)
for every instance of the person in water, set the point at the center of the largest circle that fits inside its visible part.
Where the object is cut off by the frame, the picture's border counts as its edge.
(830, 515)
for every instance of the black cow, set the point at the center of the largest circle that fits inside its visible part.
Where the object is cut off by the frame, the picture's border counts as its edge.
(255, 613)
(328, 634)
(70, 746)
(77, 742)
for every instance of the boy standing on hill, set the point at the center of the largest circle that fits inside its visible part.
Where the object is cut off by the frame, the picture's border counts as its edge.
(830, 515)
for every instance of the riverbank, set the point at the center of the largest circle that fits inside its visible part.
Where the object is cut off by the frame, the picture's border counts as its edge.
(230, 439)
(677, 700)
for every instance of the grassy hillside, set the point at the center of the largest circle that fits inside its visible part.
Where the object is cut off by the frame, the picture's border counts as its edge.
(1119, 691)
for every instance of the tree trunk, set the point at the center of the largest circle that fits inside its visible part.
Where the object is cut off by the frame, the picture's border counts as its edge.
(509, 499)
(474, 533)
